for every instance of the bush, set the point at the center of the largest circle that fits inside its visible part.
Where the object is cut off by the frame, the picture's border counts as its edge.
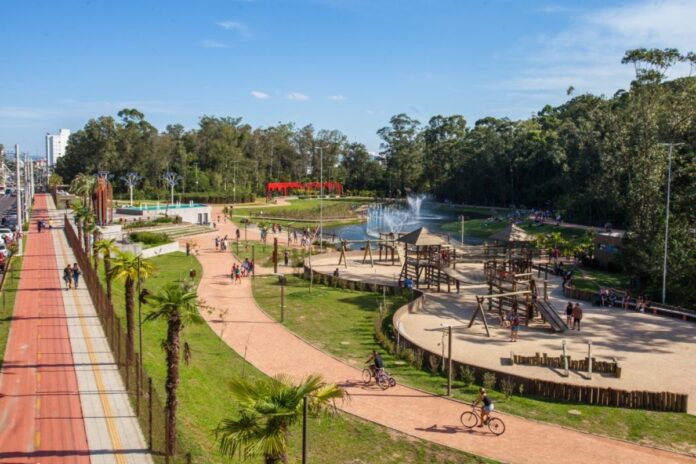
(434, 362)
(489, 380)
(149, 238)
(467, 376)
(508, 387)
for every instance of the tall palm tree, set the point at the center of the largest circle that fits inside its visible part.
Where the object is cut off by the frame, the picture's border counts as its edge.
(106, 247)
(267, 408)
(178, 305)
(89, 226)
(83, 186)
(128, 267)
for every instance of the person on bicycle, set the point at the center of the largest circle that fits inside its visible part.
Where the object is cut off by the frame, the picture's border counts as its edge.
(487, 406)
(377, 364)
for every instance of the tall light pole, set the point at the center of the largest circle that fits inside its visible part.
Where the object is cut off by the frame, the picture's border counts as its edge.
(461, 218)
(669, 191)
(131, 180)
(321, 198)
(171, 178)
(234, 182)
(19, 197)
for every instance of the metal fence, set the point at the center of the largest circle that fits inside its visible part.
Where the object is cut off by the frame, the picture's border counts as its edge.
(149, 407)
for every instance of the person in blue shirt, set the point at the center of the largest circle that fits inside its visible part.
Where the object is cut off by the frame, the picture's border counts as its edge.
(377, 363)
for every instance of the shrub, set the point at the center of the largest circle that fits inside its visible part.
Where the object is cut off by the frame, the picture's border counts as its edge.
(467, 376)
(149, 238)
(489, 380)
(434, 362)
(508, 387)
(418, 358)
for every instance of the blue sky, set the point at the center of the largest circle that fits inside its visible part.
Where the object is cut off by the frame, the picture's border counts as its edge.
(338, 64)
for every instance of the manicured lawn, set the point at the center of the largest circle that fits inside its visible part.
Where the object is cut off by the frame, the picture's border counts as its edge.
(204, 398)
(484, 228)
(302, 213)
(7, 300)
(594, 279)
(342, 323)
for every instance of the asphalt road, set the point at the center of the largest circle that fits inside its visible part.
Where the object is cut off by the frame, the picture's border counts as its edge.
(6, 203)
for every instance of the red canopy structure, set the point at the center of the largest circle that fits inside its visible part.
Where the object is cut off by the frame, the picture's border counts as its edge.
(329, 186)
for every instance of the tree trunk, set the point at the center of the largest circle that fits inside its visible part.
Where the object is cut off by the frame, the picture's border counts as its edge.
(173, 330)
(95, 253)
(107, 272)
(78, 223)
(130, 329)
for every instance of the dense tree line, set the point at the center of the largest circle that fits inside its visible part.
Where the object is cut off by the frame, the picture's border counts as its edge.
(597, 159)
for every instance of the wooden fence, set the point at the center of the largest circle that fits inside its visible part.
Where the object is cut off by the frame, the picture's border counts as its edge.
(150, 408)
(579, 365)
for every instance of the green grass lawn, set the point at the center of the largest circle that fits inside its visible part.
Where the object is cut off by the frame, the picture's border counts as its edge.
(593, 279)
(302, 213)
(204, 399)
(341, 322)
(7, 300)
(484, 228)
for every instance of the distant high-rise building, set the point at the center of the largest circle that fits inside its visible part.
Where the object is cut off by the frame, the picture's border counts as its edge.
(55, 146)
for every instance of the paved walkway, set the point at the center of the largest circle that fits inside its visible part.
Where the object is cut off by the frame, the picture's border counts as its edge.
(61, 397)
(273, 349)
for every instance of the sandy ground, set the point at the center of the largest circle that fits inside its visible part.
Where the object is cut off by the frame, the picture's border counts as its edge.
(656, 353)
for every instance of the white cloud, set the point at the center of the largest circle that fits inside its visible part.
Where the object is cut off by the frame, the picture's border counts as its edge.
(214, 44)
(236, 26)
(587, 54)
(297, 96)
(260, 95)
(337, 98)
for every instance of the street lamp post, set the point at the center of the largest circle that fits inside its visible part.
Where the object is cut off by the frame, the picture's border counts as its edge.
(669, 191)
(462, 218)
(171, 178)
(131, 180)
(321, 198)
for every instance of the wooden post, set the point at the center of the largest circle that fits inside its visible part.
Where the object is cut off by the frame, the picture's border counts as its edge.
(449, 361)
(282, 299)
(149, 415)
(275, 254)
(589, 359)
(546, 290)
(565, 360)
(253, 260)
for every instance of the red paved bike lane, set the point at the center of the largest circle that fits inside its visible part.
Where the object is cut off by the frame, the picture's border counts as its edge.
(41, 417)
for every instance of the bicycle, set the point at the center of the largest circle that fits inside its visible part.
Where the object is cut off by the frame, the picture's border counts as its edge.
(383, 379)
(471, 419)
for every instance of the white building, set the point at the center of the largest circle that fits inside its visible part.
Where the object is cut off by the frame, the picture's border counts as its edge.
(55, 146)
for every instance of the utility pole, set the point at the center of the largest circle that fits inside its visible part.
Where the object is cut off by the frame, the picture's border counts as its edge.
(669, 191)
(19, 197)
(321, 198)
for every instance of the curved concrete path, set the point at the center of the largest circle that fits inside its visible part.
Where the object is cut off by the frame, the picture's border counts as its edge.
(273, 349)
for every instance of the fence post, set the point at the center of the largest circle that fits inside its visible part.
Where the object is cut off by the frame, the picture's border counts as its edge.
(565, 360)
(137, 386)
(149, 414)
(449, 361)
(589, 359)
(118, 344)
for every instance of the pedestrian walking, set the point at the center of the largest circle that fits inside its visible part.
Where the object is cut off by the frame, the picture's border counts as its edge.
(39, 225)
(50, 224)
(76, 274)
(569, 314)
(286, 257)
(514, 326)
(577, 316)
(67, 277)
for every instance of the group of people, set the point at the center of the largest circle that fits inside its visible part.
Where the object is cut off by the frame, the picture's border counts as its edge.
(71, 276)
(609, 298)
(241, 270)
(573, 315)
(41, 224)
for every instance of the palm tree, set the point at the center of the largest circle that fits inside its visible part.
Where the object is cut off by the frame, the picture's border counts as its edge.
(178, 305)
(105, 247)
(128, 267)
(267, 408)
(83, 186)
(89, 226)
(81, 214)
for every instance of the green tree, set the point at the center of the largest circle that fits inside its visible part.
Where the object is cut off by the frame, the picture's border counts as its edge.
(401, 146)
(266, 410)
(129, 268)
(177, 304)
(106, 247)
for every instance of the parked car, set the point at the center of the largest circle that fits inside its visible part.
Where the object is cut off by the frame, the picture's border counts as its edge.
(4, 250)
(6, 231)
